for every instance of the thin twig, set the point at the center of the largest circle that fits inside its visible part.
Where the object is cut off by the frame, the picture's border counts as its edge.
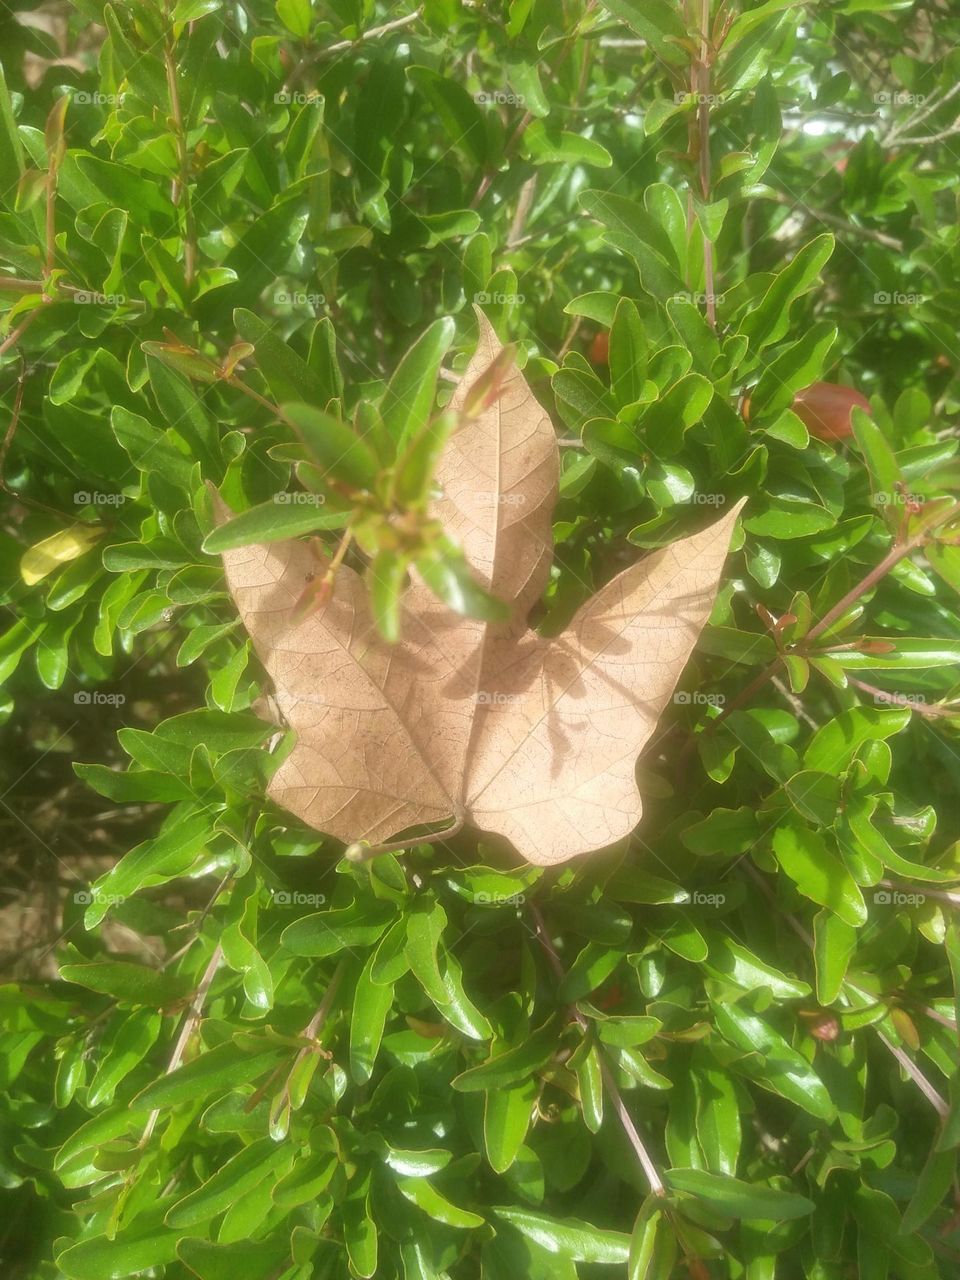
(189, 1026)
(13, 338)
(623, 1115)
(839, 224)
(933, 710)
(362, 852)
(911, 1068)
(182, 184)
(700, 79)
(341, 46)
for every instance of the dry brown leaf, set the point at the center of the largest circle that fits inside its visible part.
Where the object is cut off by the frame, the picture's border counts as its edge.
(533, 739)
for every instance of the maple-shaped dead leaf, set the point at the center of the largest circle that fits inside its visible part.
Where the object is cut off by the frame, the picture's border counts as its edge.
(488, 723)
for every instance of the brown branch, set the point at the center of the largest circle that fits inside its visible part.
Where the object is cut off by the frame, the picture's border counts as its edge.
(623, 1115)
(839, 224)
(181, 192)
(904, 1059)
(189, 1026)
(933, 711)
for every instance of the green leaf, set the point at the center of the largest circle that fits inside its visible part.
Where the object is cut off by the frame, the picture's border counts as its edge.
(516, 1064)
(459, 114)
(409, 399)
(128, 983)
(446, 572)
(289, 377)
(933, 1188)
(116, 1257)
(296, 16)
(628, 354)
(243, 1260)
(834, 746)
(656, 21)
(546, 145)
(571, 1238)
(426, 1197)
(328, 932)
(778, 1067)
(337, 448)
(770, 320)
(371, 1004)
(818, 873)
(213, 1072)
(242, 1172)
(506, 1118)
(738, 1199)
(274, 521)
(835, 942)
(793, 369)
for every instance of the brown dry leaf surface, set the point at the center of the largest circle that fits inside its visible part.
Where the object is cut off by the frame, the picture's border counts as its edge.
(533, 739)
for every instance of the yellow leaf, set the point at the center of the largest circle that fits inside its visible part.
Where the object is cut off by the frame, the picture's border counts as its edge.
(58, 549)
